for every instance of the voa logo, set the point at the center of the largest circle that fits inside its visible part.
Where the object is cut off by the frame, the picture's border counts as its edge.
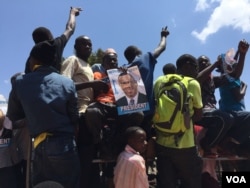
(236, 179)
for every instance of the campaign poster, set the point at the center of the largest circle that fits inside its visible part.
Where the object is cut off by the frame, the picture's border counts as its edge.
(129, 90)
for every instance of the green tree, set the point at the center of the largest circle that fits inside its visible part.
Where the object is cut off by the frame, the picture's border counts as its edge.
(96, 57)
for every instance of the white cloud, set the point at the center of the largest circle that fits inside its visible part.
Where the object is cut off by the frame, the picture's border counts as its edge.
(229, 13)
(3, 104)
(201, 5)
(2, 98)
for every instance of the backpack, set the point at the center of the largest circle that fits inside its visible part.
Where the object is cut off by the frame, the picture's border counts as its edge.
(172, 105)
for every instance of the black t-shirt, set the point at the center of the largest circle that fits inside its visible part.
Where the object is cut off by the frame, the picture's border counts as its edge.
(208, 93)
(60, 43)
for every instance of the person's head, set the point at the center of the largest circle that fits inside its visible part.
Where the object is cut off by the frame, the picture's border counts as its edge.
(187, 65)
(43, 53)
(136, 138)
(169, 68)
(203, 62)
(128, 84)
(110, 51)
(41, 34)
(83, 47)
(109, 59)
(2, 116)
(131, 52)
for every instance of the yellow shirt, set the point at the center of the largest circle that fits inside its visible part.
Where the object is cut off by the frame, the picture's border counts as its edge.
(187, 139)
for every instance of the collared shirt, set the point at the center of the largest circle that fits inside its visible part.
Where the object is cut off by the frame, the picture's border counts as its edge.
(79, 71)
(135, 98)
(130, 170)
(47, 99)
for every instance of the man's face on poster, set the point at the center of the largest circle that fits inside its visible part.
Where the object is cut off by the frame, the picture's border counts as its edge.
(128, 84)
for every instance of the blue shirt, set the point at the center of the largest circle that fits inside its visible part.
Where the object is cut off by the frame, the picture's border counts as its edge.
(97, 67)
(227, 100)
(47, 99)
(146, 65)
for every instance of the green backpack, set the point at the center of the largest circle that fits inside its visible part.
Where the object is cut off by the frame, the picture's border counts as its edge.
(172, 105)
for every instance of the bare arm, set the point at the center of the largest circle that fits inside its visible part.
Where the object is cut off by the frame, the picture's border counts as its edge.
(97, 85)
(71, 24)
(243, 88)
(203, 75)
(197, 114)
(239, 92)
(162, 46)
(241, 52)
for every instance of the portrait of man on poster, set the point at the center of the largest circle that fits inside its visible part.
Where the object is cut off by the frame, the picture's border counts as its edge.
(129, 86)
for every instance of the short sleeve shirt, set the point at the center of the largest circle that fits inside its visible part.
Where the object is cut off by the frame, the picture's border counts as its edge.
(79, 71)
(227, 100)
(146, 65)
(187, 140)
(59, 43)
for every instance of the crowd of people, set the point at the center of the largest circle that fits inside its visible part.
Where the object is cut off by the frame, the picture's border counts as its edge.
(58, 109)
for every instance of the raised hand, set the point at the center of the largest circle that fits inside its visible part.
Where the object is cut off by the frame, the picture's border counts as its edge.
(243, 46)
(75, 10)
(164, 31)
(123, 69)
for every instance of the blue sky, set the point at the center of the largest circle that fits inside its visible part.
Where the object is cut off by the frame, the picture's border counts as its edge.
(198, 27)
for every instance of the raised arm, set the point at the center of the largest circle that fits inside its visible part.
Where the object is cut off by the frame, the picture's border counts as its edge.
(162, 45)
(241, 53)
(204, 74)
(71, 24)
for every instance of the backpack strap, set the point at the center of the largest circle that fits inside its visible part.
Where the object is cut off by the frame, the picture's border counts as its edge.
(184, 98)
(168, 124)
(185, 106)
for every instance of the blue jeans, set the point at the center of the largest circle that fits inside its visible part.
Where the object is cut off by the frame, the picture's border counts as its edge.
(90, 174)
(178, 164)
(8, 177)
(56, 159)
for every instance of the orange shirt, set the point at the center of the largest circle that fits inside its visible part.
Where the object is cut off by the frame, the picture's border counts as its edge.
(108, 97)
